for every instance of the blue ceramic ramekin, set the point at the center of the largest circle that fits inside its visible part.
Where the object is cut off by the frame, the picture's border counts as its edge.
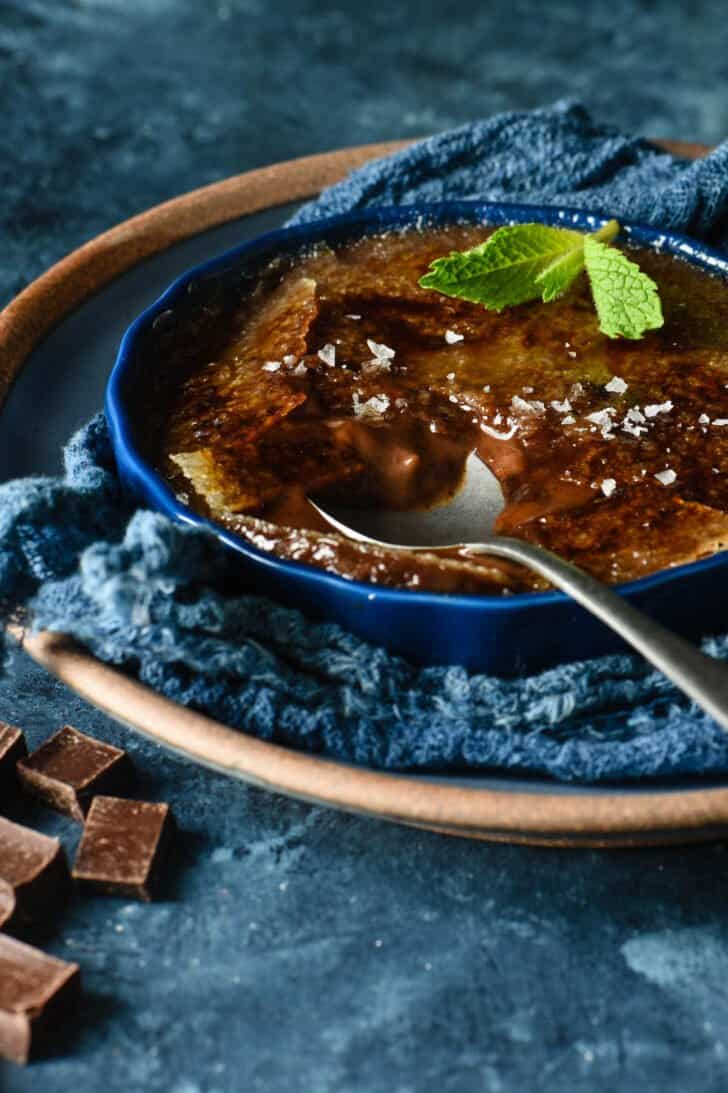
(503, 635)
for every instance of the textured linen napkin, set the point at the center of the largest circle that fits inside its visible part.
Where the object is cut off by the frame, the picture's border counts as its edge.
(149, 596)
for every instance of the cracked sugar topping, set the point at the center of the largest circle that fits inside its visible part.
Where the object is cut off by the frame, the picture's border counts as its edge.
(347, 377)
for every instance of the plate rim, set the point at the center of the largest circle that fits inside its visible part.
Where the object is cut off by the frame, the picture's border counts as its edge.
(603, 819)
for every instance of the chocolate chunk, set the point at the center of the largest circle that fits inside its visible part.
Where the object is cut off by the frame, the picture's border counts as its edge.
(70, 769)
(33, 875)
(123, 847)
(12, 748)
(36, 992)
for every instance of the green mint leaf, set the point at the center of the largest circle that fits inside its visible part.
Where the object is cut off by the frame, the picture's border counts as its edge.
(524, 261)
(626, 299)
(515, 264)
(560, 274)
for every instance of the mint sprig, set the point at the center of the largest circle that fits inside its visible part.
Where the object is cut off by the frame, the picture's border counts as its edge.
(524, 262)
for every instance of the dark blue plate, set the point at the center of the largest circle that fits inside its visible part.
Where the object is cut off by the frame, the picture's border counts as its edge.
(503, 635)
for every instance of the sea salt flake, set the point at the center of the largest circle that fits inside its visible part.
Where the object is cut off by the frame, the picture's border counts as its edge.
(373, 407)
(290, 359)
(568, 420)
(327, 354)
(382, 352)
(451, 337)
(658, 408)
(300, 370)
(450, 376)
(603, 421)
(616, 386)
(560, 407)
(704, 419)
(666, 477)
(354, 317)
(720, 420)
(609, 485)
(525, 407)
(271, 366)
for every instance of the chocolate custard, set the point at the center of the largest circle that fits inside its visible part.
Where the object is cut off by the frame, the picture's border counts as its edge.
(337, 376)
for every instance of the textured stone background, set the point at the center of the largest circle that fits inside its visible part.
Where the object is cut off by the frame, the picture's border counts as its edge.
(299, 949)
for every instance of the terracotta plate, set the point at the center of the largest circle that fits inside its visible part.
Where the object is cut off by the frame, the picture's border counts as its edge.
(89, 298)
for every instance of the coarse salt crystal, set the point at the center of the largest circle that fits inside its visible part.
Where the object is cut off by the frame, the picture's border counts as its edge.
(271, 366)
(658, 408)
(560, 407)
(616, 386)
(290, 359)
(327, 354)
(568, 420)
(720, 420)
(354, 317)
(704, 419)
(451, 337)
(383, 352)
(666, 477)
(300, 370)
(518, 403)
(373, 407)
(450, 376)
(609, 485)
(603, 420)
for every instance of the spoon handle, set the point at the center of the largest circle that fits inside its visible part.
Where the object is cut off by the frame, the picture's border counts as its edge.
(701, 677)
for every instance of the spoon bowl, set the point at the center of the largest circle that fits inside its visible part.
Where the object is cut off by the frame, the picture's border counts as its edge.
(467, 516)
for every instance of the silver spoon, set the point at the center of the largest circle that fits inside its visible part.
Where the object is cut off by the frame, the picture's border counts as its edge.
(467, 521)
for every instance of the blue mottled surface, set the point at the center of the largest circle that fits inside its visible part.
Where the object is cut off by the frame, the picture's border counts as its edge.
(300, 949)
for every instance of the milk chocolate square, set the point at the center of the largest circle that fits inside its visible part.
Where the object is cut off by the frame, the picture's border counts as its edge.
(70, 769)
(34, 878)
(12, 748)
(123, 847)
(36, 993)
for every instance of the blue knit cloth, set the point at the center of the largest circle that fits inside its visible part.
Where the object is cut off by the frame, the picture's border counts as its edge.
(149, 596)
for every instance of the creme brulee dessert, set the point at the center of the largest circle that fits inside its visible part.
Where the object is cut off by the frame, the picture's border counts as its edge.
(336, 375)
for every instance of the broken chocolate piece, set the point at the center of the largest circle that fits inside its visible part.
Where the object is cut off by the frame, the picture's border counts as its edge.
(34, 875)
(123, 847)
(12, 748)
(36, 992)
(71, 768)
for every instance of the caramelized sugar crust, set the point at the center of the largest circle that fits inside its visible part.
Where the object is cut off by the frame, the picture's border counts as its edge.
(338, 376)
